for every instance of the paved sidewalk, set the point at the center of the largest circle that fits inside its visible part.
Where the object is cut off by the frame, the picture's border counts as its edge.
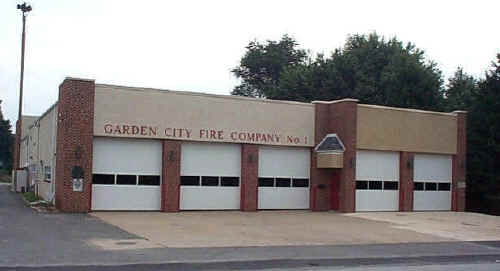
(28, 238)
(460, 226)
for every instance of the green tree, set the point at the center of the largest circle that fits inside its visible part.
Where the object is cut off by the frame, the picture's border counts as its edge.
(483, 142)
(460, 91)
(371, 69)
(262, 64)
(368, 67)
(6, 142)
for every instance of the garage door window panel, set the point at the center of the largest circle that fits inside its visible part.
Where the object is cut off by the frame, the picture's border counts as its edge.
(149, 180)
(300, 182)
(266, 182)
(444, 187)
(418, 186)
(209, 181)
(375, 185)
(105, 179)
(230, 181)
(190, 180)
(126, 179)
(391, 185)
(430, 186)
(361, 185)
(283, 182)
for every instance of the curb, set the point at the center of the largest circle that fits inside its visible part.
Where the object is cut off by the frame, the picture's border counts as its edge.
(275, 263)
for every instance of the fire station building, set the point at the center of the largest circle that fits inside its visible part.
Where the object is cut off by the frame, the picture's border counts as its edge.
(107, 147)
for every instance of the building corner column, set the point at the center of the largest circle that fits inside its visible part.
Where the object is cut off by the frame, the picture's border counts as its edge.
(406, 181)
(459, 164)
(75, 131)
(171, 175)
(249, 177)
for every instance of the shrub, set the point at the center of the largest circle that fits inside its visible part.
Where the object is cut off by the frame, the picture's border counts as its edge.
(31, 196)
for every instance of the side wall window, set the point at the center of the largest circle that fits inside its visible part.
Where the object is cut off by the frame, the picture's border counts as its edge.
(48, 173)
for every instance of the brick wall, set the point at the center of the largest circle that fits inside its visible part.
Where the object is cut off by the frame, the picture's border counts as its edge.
(249, 177)
(74, 143)
(459, 164)
(171, 176)
(320, 178)
(406, 181)
(343, 122)
(339, 117)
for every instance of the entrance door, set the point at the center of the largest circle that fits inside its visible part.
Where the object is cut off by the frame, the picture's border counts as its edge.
(335, 190)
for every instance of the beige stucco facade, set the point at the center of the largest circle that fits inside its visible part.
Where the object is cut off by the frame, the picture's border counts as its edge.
(397, 129)
(151, 113)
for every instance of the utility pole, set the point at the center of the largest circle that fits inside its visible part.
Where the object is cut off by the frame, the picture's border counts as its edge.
(17, 148)
(25, 8)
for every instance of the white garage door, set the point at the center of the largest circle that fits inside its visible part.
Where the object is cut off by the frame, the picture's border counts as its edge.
(210, 176)
(377, 181)
(283, 178)
(126, 174)
(432, 182)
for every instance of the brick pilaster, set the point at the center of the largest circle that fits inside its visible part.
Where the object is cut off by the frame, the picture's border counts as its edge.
(459, 164)
(406, 181)
(319, 199)
(249, 177)
(171, 175)
(338, 117)
(343, 122)
(75, 131)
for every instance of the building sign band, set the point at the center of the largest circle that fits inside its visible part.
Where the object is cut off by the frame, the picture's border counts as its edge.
(125, 130)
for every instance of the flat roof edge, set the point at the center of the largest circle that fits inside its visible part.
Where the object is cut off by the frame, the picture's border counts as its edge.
(336, 101)
(407, 109)
(79, 79)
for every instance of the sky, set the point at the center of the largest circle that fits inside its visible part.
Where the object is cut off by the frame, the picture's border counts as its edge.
(193, 45)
